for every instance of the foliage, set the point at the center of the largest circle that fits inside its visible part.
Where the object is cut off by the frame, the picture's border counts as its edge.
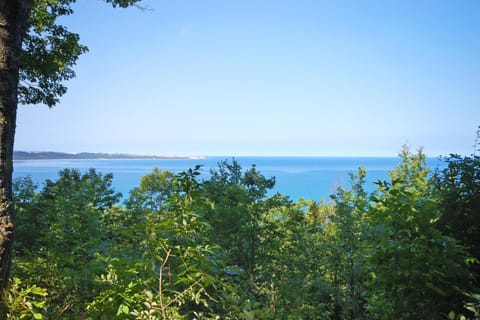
(472, 308)
(176, 275)
(50, 51)
(236, 208)
(474, 305)
(347, 259)
(415, 269)
(155, 188)
(63, 234)
(37, 55)
(25, 302)
(458, 186)
(28, 219)
(225, 248)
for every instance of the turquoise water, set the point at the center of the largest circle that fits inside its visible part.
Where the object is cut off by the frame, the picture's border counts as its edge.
(310, 177)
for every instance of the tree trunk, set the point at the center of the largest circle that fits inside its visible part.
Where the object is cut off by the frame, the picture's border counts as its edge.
(13, 21)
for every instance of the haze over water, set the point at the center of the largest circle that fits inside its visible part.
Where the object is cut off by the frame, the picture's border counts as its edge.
(307, 177)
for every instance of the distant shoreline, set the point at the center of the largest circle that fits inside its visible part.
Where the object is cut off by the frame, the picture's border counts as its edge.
(53, 155)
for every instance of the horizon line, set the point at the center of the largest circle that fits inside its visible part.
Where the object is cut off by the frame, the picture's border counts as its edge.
(226, 155)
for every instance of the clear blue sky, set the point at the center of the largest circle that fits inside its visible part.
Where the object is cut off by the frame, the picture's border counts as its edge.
(268, 77)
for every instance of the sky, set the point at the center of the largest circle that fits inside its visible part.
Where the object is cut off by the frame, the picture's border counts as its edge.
(267, 78)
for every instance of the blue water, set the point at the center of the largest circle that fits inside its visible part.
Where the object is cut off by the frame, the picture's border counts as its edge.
(297, 177)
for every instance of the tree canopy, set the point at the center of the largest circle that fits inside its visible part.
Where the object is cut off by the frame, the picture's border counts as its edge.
(224, 247)
(50, 51)
(37, 55)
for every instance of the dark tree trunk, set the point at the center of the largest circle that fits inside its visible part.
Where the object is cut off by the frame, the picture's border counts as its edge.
(13, 21)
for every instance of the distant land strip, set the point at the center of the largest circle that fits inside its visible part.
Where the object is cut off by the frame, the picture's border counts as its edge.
(53, 155)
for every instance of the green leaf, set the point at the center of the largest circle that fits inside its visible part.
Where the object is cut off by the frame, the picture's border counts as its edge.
(37, 315)
(123, 309)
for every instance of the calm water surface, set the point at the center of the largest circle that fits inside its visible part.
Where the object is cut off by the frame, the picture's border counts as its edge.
(309, 177)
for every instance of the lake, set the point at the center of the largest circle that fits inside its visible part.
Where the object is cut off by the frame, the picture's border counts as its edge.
(307, 177)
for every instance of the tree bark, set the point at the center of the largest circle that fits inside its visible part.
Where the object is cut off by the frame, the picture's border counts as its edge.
(13, 22)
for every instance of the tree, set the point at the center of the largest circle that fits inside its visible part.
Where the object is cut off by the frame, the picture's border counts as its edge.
(27, 217)
(151, 195)
(249, 226)
(175, 274)
(60, 226)
(347, 232)
(415, 269)
(459, 189)
(37, 51)
(237, 206)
